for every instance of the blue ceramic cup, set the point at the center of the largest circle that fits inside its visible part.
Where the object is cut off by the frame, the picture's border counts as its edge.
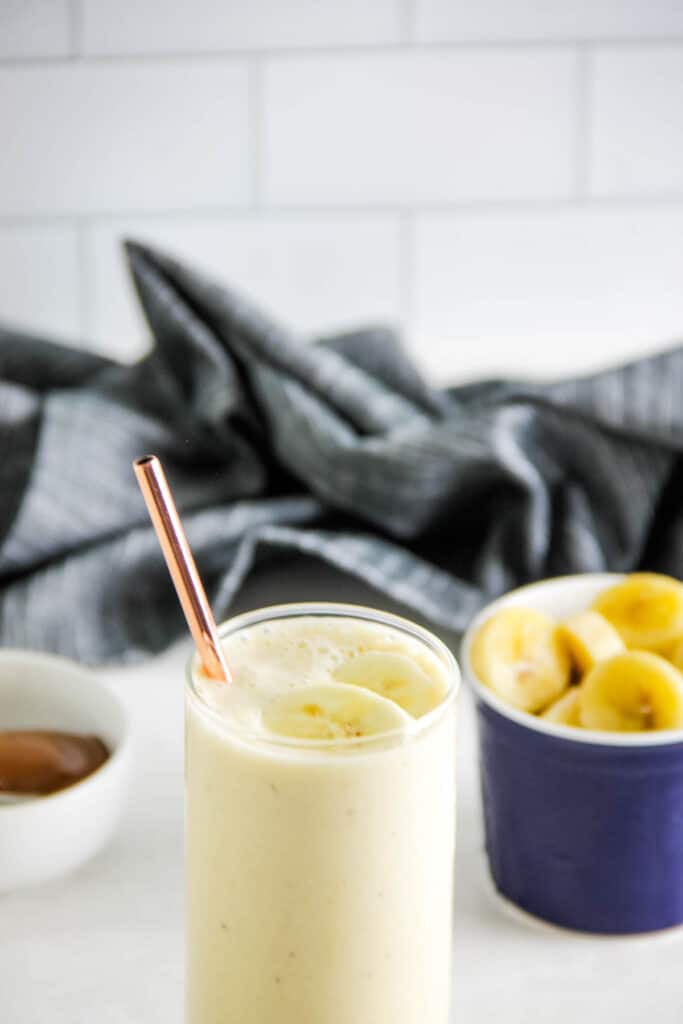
(583, 829)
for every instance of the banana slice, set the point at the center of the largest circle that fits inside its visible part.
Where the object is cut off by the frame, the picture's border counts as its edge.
(565, 711)
(590, 638)
(395, 677)
(519, 654)
(636, 691)
(675, 655)
(646, 609)
(333, 711)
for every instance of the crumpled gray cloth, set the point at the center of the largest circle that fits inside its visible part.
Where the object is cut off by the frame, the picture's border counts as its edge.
(338, 449)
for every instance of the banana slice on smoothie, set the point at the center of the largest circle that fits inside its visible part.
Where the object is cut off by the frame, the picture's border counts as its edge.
(636, 691)
(590, 638)
(520, 655)
(646, 609)
(395, 677)
(565, 710)
(333, 711)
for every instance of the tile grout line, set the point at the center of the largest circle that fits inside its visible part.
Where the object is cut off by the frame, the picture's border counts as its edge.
(75, 29)
(353, 211)
(255, 131)
(583, 113)
(406, 21)
(476, 45)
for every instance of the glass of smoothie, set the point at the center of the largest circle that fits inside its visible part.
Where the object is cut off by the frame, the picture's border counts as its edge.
(320, 804)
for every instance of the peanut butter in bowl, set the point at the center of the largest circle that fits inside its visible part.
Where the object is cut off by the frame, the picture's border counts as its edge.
(39, 762)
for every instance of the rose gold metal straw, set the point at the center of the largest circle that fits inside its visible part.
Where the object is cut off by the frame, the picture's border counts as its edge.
(181, 565)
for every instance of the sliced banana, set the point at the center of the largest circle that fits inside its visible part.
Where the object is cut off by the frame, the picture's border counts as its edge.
(565, 710)
(675, 654)
(395, 677)
(636, 691)
(590, 638)
(333, 711)
(519, 654)
(646, 609)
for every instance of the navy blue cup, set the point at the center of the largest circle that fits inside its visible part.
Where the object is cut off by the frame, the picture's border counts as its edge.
(583, 829)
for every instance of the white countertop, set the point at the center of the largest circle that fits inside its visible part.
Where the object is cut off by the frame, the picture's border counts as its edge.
(105, 946)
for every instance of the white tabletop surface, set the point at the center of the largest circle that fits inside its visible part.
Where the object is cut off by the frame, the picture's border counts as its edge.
(105, 946)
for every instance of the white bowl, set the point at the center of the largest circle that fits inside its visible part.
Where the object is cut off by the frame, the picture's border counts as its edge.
(48, 836)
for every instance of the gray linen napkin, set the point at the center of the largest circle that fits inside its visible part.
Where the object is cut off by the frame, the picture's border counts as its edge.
(337, 449)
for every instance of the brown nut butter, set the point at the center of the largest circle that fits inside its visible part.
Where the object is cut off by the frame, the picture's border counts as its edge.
(38, 762)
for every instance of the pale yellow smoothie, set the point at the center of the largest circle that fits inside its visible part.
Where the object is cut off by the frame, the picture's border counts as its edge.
(320, 800)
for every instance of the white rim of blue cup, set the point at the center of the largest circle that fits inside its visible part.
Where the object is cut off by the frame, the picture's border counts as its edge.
(594, 737)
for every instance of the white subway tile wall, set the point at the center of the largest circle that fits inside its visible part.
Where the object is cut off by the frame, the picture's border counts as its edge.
(503, 180)
(317, 275)
(420, 128)
(160, 26)
(637, 121)
(460, 20)
(40, 279)
(89, 137)
(546, 291)
(35, 28)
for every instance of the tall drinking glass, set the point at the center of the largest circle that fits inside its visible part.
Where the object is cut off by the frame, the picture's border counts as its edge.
(319, 871)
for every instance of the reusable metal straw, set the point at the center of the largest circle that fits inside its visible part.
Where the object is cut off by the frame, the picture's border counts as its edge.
(181, 565)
